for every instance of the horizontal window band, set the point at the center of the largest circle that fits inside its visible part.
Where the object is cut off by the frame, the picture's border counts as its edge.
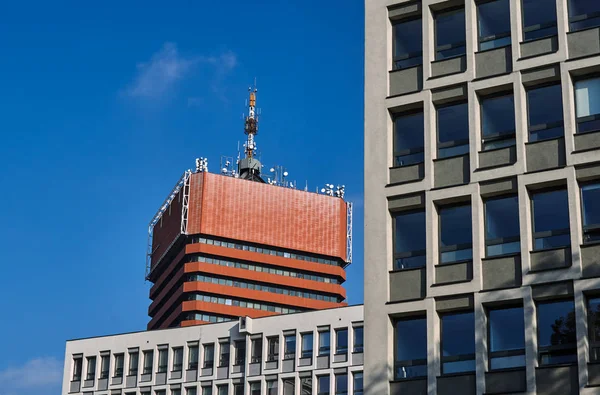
(409, 151)
(503, 240)
(539, 26)
(411, 362)
(399, 255)
(498, 136)
(494, 37)
(583, 17)
(507, 353)
(409, 55)
(458, 358)
(456, 247)
(454, 143)
(544, 126)
(549, 233)
(445, 47)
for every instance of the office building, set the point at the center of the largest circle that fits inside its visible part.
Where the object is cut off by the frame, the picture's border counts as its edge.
(482, 197)
(317, 352)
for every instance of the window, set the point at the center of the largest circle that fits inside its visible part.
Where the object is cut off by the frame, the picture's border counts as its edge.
(587, 105)
(557, 338)
(455, 234)
(449, 34)
(91, 368)
(104, 366)
(307, 345)
(178, 359)
(209, 355)
(409, 233)
(119, 362)
(148, 359)
(193, 357)
(288, 387)
(191, 391)
(410, 338)
(502, 232)
(593, 317)
(223, 389)
(539, 19)
(133, 363)
(255, 388)
(158, 392)
(358, 383)
(272, 387)
(341, 384)
(163, 360)
(175, 392)
(209, 391)
(306, 385)
(256, 350)
(358, 339)
(550, 219)
(324, 342)
(224, 354)
(545, 113)
(409, 140)
(77, 368)
(238, 389)
(506, 338)
(583, 14)
(590, 207)
(240, 352)
(458, 343)
(493, 21)
(341, 341)
(290, 347)
(273, 348)
(408, 43)
(323, 385)
(452, 130)
(497, 121)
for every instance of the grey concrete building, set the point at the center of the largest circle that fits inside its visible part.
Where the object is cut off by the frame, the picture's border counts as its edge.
(482, 197)
(317, 352)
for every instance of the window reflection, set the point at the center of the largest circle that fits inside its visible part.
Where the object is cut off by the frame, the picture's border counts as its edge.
(498, 121)
(408, 44)
(550, 219)
(545, 113)
(450, 34)
(539, 19)
(458, 343)
(455, 234)
(408, 139)
(507, 338)
(411, 348)
(409, 249)
(557, 337)
(502, 226)
(493, 19)
(590, 208)
(453, 130)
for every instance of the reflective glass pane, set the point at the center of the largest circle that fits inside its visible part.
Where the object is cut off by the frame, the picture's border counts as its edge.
(514, 361)
(582, 7)
(455, 225)
(498, 115)
(550, 210)
(458, 334)
(450, 28)
(453, 123)
(341, 383)
(593, 312)
(496, 43)
(410, 232)
(542, 243)
(456, 256)
(408, 38)
(587, 97)
(411, 339)
(590, 198)
(493, 18)
(410, 262)
(502, 218)
(458, 366)
(323, 385)
(410, 159)
(556, 323)
(507, 329)
(538, 12)
(545, 107)
(409, 132)
(503, 248)
(455, 150)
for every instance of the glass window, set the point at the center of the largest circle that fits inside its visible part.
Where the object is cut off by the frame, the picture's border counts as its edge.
(506, 338)
(104, 366)
(207, 390)
(410, 349)
(587, 105)
(545, 113)
(224, 354)
(209, 355)
(453, 130)
(493, 21)
(271, 387)
(449, 34)
(77, 368)
(341, 341)
(193, 358)
(177, 359)
(175, 392)
(240, 352)
(557, 338)
(133, 363)
(324, 343)
(358, 339)
(410, 248)
(307, 345)
(162, 360)
(273, 348)
(539, 19)
(148, 361)
(341, 384)
(550, 219)
(306, 385)
(223, 389)
(91, 368)
(458, 343)
(119, 362)
(323, 385)
(590, 207)
(191, 391)
(455, 234)
(238, 389)
(290, 347)
(288, 387)
(409, 139)
(256, 351)
(408, 44)
(502, 226)
(497, 121)
(358, 383)
(584, 14)
(593, 317)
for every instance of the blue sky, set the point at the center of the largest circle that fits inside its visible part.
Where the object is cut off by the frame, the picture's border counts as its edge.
(105, 104)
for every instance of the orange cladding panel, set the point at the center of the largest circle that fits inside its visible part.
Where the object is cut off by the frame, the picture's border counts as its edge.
(244, 210)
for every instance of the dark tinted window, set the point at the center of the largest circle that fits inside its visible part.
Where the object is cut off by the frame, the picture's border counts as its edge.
(455, 234)
(539, 19)
(590, 207)
(408, 43)
(458, 343)
(493, 19)
(290, 346)
(323, 385)
(498, 121)
(410, 240)
(341, 341)
(584, 14)
(358, 339)
(593, 315)
(358, 383)
(502, 226)
(449, 34)
(507, 338)
(411, 348)
(587, 105)
(545, 113)
(324, 345)
(341, 384)
(307, 345)
(453, 130)
(557, 338)
(408, 139)
(550, 219)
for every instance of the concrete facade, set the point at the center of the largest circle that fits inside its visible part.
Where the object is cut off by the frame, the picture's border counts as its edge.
(522, 169)
(249, 371)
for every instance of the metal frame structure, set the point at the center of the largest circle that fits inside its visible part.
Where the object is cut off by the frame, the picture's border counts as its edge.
(349, 232)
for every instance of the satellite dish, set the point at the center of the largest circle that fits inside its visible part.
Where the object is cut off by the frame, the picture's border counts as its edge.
(285, 173)
(323, 190)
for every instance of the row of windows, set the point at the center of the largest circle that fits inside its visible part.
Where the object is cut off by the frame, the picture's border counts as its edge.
(493, 24)
(262, 250)
(242, 303)
(544, 120)
(212, 318)
(264, 269)
(550, 226)
(556, 338)
(259, 287)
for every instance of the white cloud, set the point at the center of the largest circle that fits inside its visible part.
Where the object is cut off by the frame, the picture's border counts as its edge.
(167, 67)
(38, 373)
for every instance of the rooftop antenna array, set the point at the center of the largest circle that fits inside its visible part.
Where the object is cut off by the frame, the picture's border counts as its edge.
(249, 167)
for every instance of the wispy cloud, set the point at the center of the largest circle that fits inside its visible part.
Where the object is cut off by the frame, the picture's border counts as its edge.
(167, 67)
(37, 374)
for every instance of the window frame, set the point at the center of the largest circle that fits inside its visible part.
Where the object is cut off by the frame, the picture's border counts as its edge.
(104, 362)
(547, 350)
(133, 370)
(455, 247)
(544, 126)
(498, 136)
(455, 358)
(408, 362)
(358, 348)
(407, 151)
(538, 27)
(549, 233)
(163, 368)
(341, 350)
(224, 354)
(287, 354)
(336, 390)
(500, 240)
(148, 356)
(506, 353)
(256, 350)
(409, 254)
(177, 367)
(581, 17)
(589, 232)
(193, 362)
(588, 118)
(453, 143)
(119, 371)
(324, 391)
(308, 353)
(325, 350)
(492, 37)
(239, 360)
(275, 355)
(458, 44)
(593, 346)
(208, 363)
(410, 55)
(355, 390)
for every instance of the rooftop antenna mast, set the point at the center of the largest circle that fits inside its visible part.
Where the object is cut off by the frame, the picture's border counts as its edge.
(249, 167)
